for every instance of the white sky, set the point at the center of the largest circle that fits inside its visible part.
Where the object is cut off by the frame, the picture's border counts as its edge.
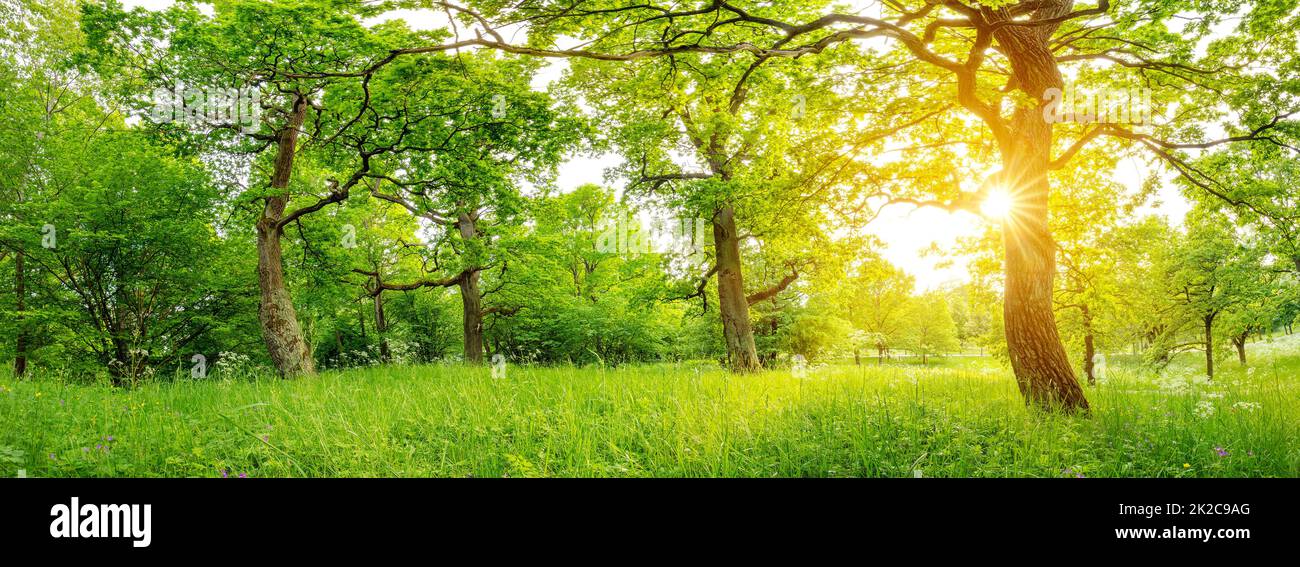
(907, 233)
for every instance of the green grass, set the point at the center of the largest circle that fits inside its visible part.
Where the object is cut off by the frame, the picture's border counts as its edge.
(960, 419)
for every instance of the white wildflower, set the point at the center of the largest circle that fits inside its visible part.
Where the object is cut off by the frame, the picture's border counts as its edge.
(1246, 406)
(1204, 409)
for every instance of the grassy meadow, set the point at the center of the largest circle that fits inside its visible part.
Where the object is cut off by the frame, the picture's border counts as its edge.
(957, 418)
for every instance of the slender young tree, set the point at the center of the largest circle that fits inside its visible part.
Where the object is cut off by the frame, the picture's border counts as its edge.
(48, 115)
(1210, 273)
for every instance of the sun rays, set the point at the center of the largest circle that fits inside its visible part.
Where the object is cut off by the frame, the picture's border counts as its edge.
(998, 204)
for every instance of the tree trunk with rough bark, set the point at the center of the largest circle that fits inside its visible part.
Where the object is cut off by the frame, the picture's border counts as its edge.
(280, 328)
(1209, 347)
(119, 371)
(1043, 371)
(1239, 341)
(381, 328)
(471, 298)
(20, 342)
(1042, 368)
(742, 355)
(472, 312)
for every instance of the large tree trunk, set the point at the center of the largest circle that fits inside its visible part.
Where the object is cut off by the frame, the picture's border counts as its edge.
(471, 299)
(280, 329)
(1041, 365)
(1209, 347)
(742, 356)
(1042, 368)
(119, 370)
(381, 328)
(20, 342)
(1239, 341)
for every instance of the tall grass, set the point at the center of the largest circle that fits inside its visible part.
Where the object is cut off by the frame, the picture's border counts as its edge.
(961, 419)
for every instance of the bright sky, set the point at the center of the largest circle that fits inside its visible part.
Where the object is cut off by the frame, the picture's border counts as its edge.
(908, 233)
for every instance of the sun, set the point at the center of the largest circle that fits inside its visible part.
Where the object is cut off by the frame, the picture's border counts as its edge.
(997, 204)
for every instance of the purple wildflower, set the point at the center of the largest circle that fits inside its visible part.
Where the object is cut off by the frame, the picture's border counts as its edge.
(243, 475)
(1221, 451)
(223, 473)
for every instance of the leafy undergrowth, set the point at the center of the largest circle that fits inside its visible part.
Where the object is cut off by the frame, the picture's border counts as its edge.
(957, 420)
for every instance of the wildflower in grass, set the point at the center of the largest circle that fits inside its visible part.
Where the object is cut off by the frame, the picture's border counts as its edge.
(1187, 465)
(1069, 471)
(1245, 406)
(243, 475)
(266, 438)
(52, 457)
(224, 474)
(1204, 409)
(1221, 451)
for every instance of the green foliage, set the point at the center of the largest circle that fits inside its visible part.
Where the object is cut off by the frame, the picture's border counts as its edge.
(929, 327)
(136, 254)
(1211, 275)
(815, 335)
